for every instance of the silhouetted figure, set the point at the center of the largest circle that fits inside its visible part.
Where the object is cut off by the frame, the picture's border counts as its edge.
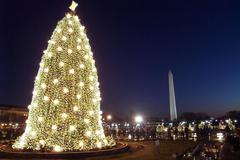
(169, 133)
(228, 131)
(197, 132)
(142, 132)
(226, 153)
(186, 132)
(137, 134)
(1, 135)
(176, 132)
(204, 133)
(8, 134)
(147, 133)
(154, 132)
(207, 132)
(124, 132)
(114, 133)
(119, 132)
(131, 133)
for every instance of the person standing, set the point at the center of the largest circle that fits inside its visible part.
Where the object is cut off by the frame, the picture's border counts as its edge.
(137, 134)
(141, 133)
(154, 133)
(1, 134)
(114, 132)
(226, 152)
(186, 132)
(227, 130)
(176, 133)
(124, 132)
(197, 132)
(169, 133)
(132, 134)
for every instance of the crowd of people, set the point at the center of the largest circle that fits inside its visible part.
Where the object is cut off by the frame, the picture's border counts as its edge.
(230, 149)
(146, 133)
(150, 133)
(176, 132)
(10, 133)
(137, 133)
(202, 133)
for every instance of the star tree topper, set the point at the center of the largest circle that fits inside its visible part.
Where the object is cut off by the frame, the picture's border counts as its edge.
(73, 6)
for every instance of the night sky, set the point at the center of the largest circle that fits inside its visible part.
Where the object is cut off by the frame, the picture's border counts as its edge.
(134, 43)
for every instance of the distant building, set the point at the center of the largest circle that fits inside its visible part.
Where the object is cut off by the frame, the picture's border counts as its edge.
(12, 115)
(152, 121)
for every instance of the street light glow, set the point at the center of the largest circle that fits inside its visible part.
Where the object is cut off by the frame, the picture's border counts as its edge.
(138, 119)
(109, 117)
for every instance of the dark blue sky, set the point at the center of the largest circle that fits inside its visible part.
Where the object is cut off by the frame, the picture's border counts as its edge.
(135, 43)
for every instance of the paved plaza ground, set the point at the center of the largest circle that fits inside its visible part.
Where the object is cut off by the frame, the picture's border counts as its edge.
(145, 150)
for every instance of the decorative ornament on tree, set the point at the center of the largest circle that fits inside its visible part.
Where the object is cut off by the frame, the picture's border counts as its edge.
(64, 114)
(73, 6)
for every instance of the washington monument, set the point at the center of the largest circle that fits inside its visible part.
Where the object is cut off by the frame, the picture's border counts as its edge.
(173, 109)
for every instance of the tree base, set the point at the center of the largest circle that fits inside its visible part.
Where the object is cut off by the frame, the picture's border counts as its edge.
(8, 152)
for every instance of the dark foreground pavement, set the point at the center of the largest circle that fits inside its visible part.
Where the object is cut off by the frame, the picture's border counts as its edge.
(144, 150)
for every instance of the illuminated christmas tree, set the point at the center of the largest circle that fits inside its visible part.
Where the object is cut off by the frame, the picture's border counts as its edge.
(65, 110)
